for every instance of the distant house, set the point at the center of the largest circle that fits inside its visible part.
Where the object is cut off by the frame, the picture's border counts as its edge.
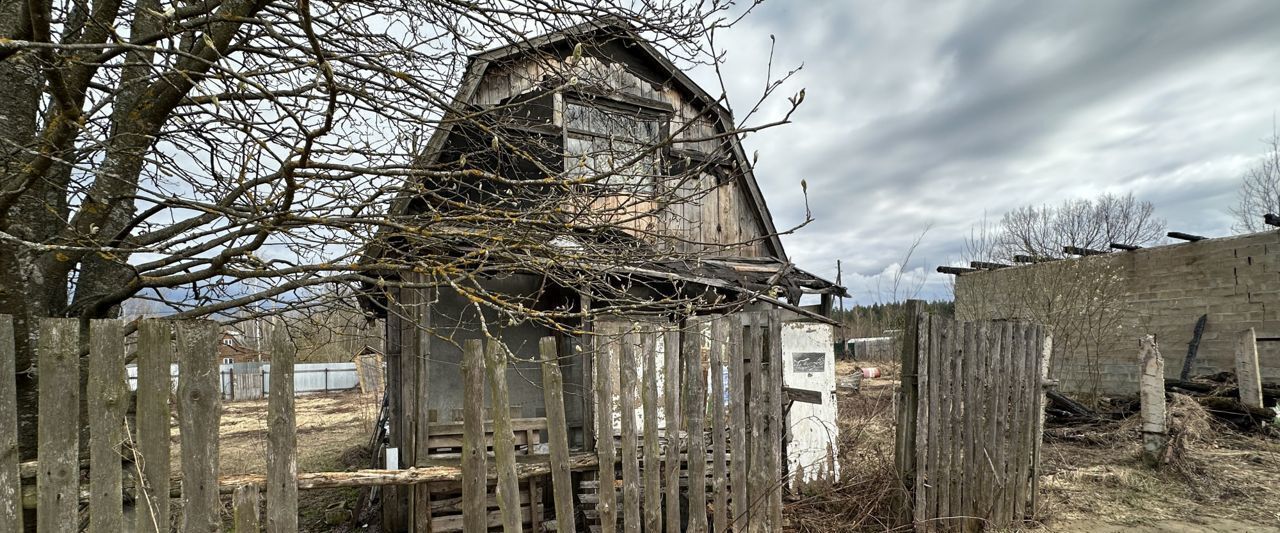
(231, 349)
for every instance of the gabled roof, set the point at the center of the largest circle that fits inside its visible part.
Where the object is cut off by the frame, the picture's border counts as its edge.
(614, 29)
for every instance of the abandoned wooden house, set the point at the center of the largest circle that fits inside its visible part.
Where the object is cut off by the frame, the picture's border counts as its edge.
(780, 377)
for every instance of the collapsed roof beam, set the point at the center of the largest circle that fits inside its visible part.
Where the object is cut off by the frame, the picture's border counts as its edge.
(1185, 236)
(1076, 250)
(1271, 219)
(1031, 259)
(955, 271)
(1126, 247)
(984, 265)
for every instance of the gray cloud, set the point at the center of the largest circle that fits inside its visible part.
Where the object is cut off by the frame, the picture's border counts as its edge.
(921, 114)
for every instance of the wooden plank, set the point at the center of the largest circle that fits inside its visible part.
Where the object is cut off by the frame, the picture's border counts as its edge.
(10, 477)
(394, 503)
(421, 503)
(1002, 510)
(604, 354)
(244, 505)
(282, 439)
(1248, 376)
(737, 423)
(474, 447)
(155, 354)
(504, 452)
(946, 379)
(991, 376)
(630, 454)
(758, 482)
(691, 343)
(108, 397)
(1041, 387)
(557, 433)
(777, 422)
(719, 474)
(969, 382)
(58, 427)
(920, 331)
(649, 404)
(937, 366)
(908, 398)
(1151, 393)
(407, 307)
(671, 392)
(588, 370)
(956, 473)
(1017, 453)
(199, 412)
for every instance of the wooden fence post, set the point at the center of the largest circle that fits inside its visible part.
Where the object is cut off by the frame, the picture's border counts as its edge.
(10, 478)
(908, 398)
(58, 429)
(155, 355)
(630, 454)
(504, 452)
(695, 411)
(557, 434)
(108, 394)
(282, 440)
(1248, 376)
(924, 399)
(604, 347)
(475, 511)
(652, 463)
(1154, 435)
(199, 411)
(671, 393)
(245, 509)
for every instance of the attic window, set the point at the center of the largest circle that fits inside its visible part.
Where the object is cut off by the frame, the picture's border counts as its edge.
(599, 138)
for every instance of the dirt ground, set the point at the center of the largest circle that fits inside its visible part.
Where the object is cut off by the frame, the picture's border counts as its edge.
(333, 430)
(1092, 479)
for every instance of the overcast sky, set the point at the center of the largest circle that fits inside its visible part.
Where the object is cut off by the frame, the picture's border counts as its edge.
(920, 114)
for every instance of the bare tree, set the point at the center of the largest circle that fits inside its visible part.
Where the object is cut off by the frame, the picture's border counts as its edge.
(219, 156)
(1085, 223)
(1259, 189)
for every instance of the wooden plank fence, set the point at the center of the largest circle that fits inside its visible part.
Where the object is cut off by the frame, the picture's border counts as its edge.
(974, 404)
(721, 468)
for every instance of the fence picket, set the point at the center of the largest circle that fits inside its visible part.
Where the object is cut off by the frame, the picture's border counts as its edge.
(474, 485)
(671, 392)
(557, 434)
(282, 439)
(199, 411)
(758, 481)
(244, 509)
(630, 454)
(58, 428)
(737, 423)
(604, 434)
(10, 478)
(923, 424)
(504, 452)
(946, 378)
(720, 337)
(109, 392)
(776, 420)
(691, 345)
(649, 401)
(155, 354)
(969, 381)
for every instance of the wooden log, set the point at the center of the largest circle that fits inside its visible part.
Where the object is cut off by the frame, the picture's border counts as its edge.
(692, 341)
(1193, 348)
(244, 509)
(155, 354)
(737, 424)
(1125, 247)
(719, 475)
(282, 439)
(652, 460)
(199, 412)
(630, 453)
(671, 392)
(557, 433)
(604, 355)
(58, 428)
(1248, 375)
(10, 478)
(1151, 391)
(1185, 236)
(108, 393)
(955, 271)
(504, 452)
(474, 448)
(1271, 219)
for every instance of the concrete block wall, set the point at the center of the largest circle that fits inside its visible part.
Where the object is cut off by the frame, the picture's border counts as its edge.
(1165, 289)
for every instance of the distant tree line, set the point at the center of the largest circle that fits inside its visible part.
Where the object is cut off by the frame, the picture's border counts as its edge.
(875, 319)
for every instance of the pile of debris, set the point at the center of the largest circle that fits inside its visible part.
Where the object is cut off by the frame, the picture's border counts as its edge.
(1217, 393)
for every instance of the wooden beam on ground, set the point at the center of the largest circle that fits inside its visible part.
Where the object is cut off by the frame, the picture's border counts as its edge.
(1185, 236)
(1151, 390)
(955, 271)
(1076, 250)
(1248, 376)
(1125, 247)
